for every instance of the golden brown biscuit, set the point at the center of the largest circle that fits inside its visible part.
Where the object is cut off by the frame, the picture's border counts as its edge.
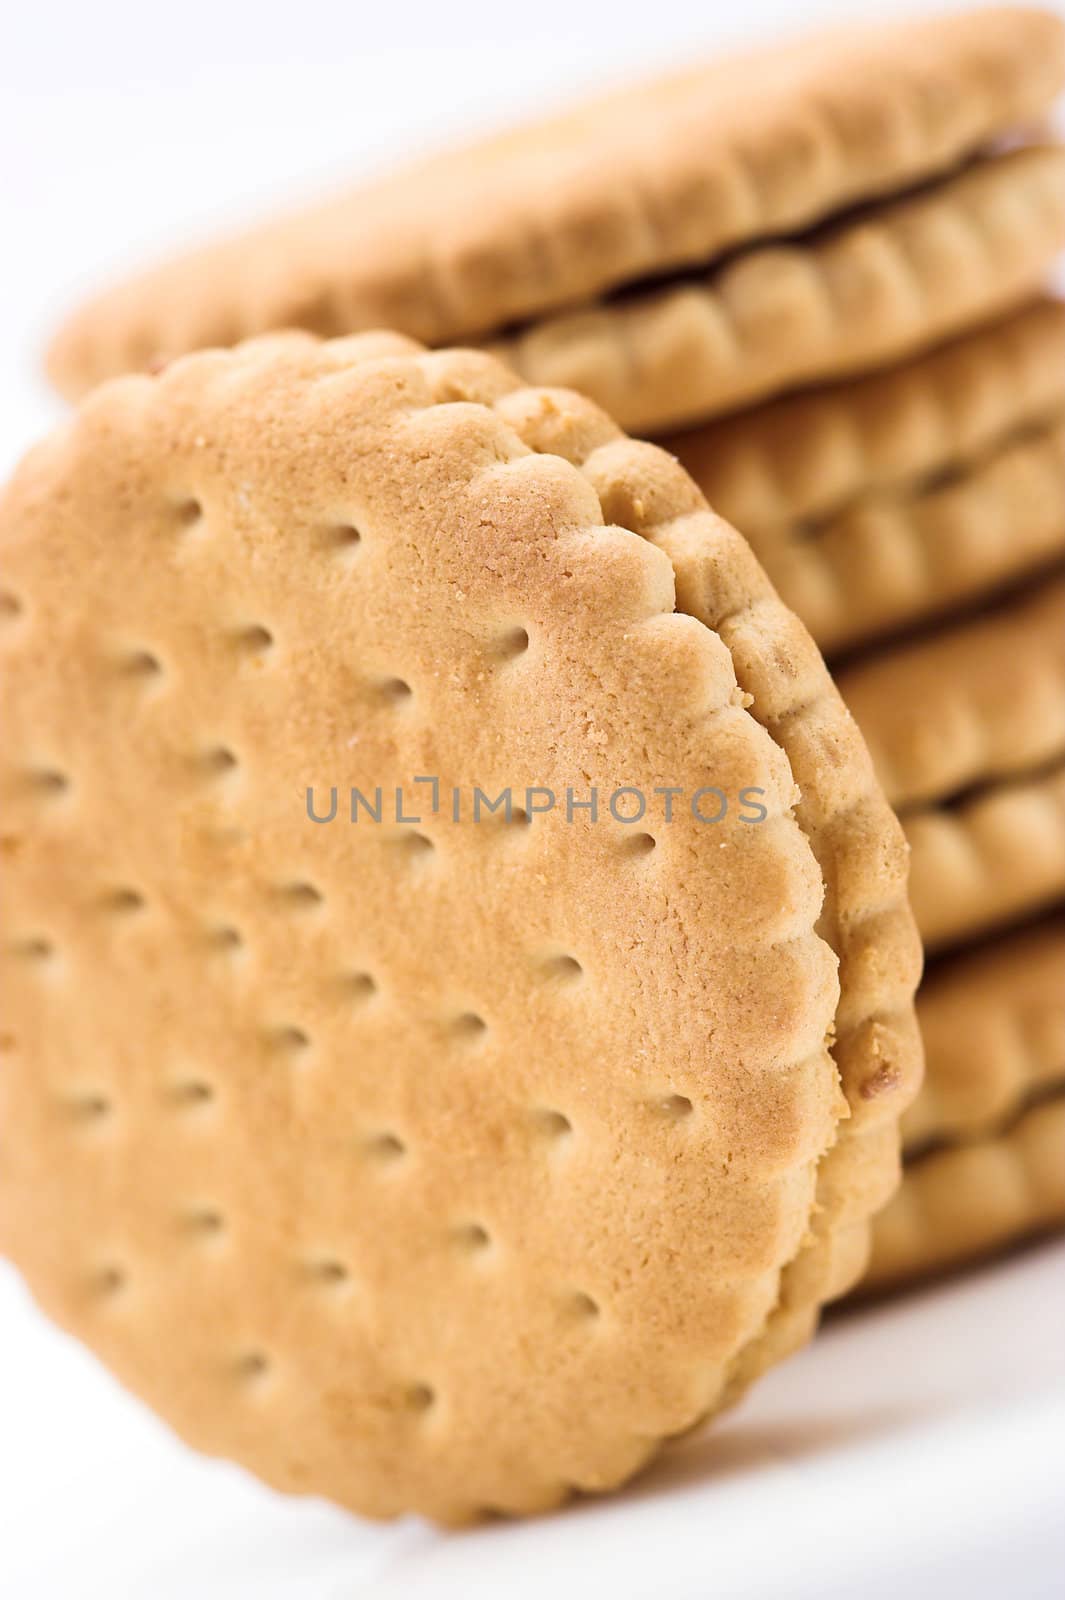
(977, 701)
(993, 1023)
(987, 859)
(653, 178)
(435, 1164)
(778, 470)
(889, 561)
(960, 1203)
(865, 292)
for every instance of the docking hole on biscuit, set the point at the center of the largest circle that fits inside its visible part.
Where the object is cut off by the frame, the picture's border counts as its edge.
(290, 1039)
(109, 1281)
(385, 1148)
(359, 985)
(204, 1222)
(301, 894)
(420, 1397)
(415, 846)
(219, 759)
(552, 1124)
(49, 781)
(675, 1106)
(93, 1106)
(123, 901)
(563, 969)
(141, 664)
(640, 844)
(10, 606)
(582, 1307)
(468, 1025)
(35, 948)
(341, 536)
(252, 1366)
(394, 691)
(192, 1092)
(472, 1237)
(512, 643)
(329, 1271)
(254, 640)
(188, 512)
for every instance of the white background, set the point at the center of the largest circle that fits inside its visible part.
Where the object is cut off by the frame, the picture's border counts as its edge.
(917, 1449)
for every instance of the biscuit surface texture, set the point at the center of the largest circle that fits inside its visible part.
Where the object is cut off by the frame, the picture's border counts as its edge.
(648, 179)
(445, 1165)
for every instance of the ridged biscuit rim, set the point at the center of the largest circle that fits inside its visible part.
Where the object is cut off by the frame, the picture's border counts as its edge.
(961, 1204)
(864, 292)
(890, 562)
(989, 859)
(979, 700)
(993, 1023)
(798, 461)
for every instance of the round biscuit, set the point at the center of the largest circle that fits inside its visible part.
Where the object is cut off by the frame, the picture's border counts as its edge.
(424, 1163)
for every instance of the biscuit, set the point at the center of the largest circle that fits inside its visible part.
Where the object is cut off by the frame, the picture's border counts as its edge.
(980, 700)
(959, 1204)
(890, 561)
(651, 178)
(425, 1163)
(865, 292)
(805, 458)
(993, 1023)
(987, 859)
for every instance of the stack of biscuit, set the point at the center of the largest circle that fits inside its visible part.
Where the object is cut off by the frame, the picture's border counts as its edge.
(816, 272)
(916, 518)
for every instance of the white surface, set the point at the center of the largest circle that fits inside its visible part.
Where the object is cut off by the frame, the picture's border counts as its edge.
(916, 1450)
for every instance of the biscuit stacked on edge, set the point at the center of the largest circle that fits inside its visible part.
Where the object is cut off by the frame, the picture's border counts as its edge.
(427, 1159)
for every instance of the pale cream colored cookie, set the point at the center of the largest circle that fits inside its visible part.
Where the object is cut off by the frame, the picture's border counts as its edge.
(777, 470)
(432, 1164)
(988, 859)
(656, 178)
(993, 1023)
(977, 701)
(959, 1204)
(872, 289)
